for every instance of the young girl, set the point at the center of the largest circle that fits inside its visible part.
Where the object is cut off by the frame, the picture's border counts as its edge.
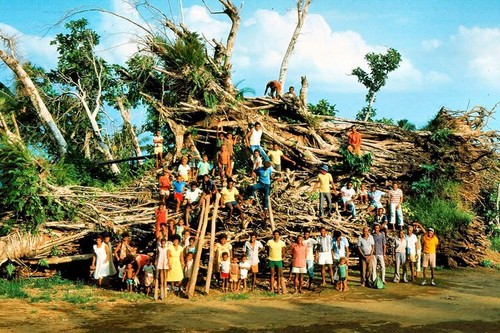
(162, 266)
(244, 268)
(149, 275)
(188, 270)
(179, 228)
(128, 277)
(343, 273)
(191, 247)
(184, 169)
(234, 274)
(225, 267)
(363, 195)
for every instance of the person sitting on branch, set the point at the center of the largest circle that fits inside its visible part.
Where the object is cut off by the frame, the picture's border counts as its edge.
(354, 141)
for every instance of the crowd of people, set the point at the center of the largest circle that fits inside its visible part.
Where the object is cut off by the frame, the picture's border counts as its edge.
(198, 176)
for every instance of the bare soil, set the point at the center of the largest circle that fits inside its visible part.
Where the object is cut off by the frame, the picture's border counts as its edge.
(465, 300)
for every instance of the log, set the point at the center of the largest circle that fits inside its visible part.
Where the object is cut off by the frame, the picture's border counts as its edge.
(212, 244)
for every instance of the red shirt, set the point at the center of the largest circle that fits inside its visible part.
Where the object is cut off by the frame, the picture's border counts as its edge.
(161, 217)
(165, 182)
(299, 254)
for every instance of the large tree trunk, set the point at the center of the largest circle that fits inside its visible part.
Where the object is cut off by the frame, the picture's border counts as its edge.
(125, 113)
(37, 101)
(302, 7)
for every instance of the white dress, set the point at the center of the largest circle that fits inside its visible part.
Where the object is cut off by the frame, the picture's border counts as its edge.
(101, 265)
(162, 258)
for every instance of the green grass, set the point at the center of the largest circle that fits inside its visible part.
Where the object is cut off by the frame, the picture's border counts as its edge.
(234, 297)
(77, 298)
(133, 297)
(12, 289)
(42, 298)
(268, 294)
(495, 243)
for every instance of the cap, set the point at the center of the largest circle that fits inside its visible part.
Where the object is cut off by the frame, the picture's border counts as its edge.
(324, 167)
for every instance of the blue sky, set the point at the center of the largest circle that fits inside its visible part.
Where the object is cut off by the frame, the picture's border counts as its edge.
(450, 48)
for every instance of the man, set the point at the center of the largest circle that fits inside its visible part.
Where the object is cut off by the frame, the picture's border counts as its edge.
(374, 197)
(299, 254)
(340, 247)
(381, 219)
(311, 244)
(325, 184)
(354, 141)
(429, 246)
(191, 199)
(274, 88)
(165, 184)
(158, 151)
(324, 255)
(229, 194)
(253, 138)
(276, 155)
(366, 246)
(411, 243)
(348, 194)
(252, 248)
(276, 252)
(395, 204)
(290, 93)
(400, 246)
(380, 250)
(207, 186)
(264, 175)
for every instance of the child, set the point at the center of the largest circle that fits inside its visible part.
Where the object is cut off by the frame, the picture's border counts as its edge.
(244, 268)
(363, 195)
(343, 273)
(194, 159)
(184, 169)
(224, 266)
(161, 215)
(203, 168)
(191, 247)
(149, 275)
(234, 272)
(185, 238)
(188, 270)
(162, 266)
(179, 187)
(223, 161)
(256, 160)
(129, 277)
(180, 228)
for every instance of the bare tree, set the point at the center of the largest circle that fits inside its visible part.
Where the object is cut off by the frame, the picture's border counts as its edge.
(302, 7)
(125, 113)
(41, 109)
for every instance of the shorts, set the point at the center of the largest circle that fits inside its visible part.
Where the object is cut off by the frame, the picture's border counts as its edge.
(412, 257)
(255, 268)
(325, 258)
(376, 205)
(148, 279)
(232, 203)
(275, 264)
(429, 259)
(193, 163)
(243, 274)
(300, 270)
(178, 197)
(159, 149)
(224, 275)
(233, 278)
(130, 282)
(165, 193)
(342, 279)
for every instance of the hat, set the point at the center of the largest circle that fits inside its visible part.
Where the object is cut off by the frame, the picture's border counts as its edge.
(324, 167)
(431, 229)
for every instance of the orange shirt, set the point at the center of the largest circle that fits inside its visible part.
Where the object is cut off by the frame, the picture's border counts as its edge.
(165, 182)
(161, 217)
(354, 139)
(429, 244)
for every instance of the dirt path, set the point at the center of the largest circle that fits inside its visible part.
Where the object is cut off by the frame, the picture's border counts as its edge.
(464, 301)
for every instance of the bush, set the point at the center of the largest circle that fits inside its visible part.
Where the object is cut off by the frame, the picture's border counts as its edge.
(495, 243)
(355, 164)
(12, 289)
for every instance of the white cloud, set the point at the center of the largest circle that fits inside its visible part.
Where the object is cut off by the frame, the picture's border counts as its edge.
(481, 46)
(431, 44)
(198, 19)
(32, 48)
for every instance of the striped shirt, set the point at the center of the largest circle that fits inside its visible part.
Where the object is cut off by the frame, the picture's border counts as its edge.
(395, 196)
(324, 243)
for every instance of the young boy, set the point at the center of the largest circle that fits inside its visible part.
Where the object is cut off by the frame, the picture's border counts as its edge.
(234, 273)
(129, 277)
(343, 273)
(149, 275)
(179, 187)
(203, 167)
(188, 270)
(244, 268)
(223, 162)
(225, 266)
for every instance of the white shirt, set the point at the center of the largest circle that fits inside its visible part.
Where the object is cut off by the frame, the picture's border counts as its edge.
(244, 267)
(412, 243)
(225, 266)
(193, 196)
(254, 139)
(310, 243)
(339, 248)
(347, 193)
(183, 170)
(253, 253)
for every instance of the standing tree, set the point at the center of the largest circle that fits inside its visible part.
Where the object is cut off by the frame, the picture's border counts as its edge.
(380, 67)
(302, 7)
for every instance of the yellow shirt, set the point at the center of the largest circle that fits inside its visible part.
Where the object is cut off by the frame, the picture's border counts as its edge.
(275, 156)
(220, 249)
(229, 195)
(429, 244)
(275, 249)
(324, 182)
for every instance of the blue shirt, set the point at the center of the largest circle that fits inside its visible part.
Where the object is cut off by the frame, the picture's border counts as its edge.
(178, 186)
(264, 174)
(375, 196)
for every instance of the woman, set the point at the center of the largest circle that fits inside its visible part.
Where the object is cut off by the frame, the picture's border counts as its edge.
(175, 261)
(100, 261)
(123, 249)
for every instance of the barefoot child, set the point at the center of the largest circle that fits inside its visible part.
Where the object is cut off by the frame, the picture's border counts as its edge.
(234, 273)
(149, 275)
(179, 187)
(244, 268)
(343, 273)
(188, 270)
(184, 169)
(223, 162)
(225, 266)
(128, 277)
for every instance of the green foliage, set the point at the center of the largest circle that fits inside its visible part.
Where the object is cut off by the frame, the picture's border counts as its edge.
(440, 136)
(355, 164)
(367, 113)
(11, 269)
(495, 243)
(77, 298)
(12, 289)
(406, 125)
(43, 263)
(384, 121)
(380, 67)
(234, 297)
(486, 263)
(323, 108)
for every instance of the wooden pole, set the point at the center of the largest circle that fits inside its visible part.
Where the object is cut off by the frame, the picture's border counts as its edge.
(271, 215)
(212, 244)
(199, 248)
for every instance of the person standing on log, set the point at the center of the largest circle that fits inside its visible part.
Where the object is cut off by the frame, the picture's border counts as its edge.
(311, 243)
(158, 151)
(366, 246)
(264, 174)
(253, 140)
(326, 185)
(354, 141)
(274, 88)
(395, 205)
(252, 248)
(348, 195)
(429, 246)
(165, 183)
(276, 155)
(324, 255)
